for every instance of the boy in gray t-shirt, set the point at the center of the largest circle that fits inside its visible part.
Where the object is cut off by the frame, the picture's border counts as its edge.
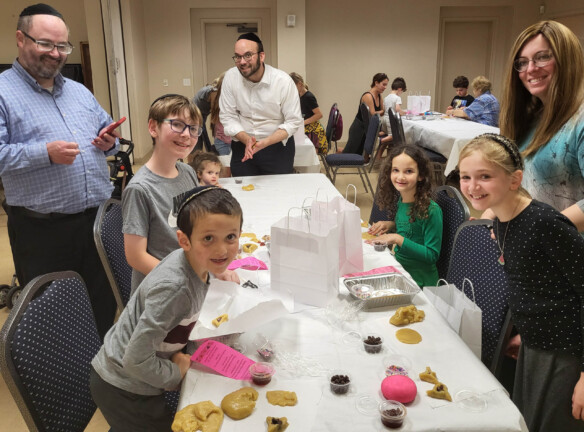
(141, 355)
(151, 199)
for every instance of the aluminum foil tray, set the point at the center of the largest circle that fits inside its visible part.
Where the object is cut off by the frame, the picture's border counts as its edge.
(384, 289)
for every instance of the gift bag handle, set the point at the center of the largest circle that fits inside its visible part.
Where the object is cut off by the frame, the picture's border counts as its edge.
(464, 281)
(354, 191)
(446, 284)
(302, 214)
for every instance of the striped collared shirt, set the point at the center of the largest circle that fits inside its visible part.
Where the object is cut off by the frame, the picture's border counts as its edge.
(30, 117)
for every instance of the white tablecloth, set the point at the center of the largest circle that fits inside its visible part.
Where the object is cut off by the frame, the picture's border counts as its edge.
(314, 342)
(305, 158)
(446, 136)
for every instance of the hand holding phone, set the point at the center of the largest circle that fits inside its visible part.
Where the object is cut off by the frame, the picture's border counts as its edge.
(113, 126)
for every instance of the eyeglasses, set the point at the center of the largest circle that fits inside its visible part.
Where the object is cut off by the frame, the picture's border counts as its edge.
(247, 57)
(47, 46)
(540, 59)
(180, 126)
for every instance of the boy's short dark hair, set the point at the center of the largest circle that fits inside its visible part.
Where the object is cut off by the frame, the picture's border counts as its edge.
(399, 83)
(173, 104)
(460, 82)
(254, 38)
(198, 158)
(205, 200)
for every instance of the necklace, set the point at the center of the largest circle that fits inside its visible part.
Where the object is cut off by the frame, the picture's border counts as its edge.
(501, 259)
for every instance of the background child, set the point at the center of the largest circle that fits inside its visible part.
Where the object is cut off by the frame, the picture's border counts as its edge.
(150, 201)
(207, 166)
(141, 355)
(405, 178)
(542, 254)
(462, 98)
(393, 102)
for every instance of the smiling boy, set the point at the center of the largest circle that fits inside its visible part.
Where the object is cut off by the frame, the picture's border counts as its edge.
(142, 353)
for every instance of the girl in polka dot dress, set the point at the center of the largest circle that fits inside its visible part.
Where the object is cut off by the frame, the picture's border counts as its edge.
(543, 256)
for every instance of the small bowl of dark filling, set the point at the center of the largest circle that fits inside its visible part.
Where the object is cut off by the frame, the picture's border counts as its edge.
(373, 344)
(339, 382)
(392, 414)
(261, 373)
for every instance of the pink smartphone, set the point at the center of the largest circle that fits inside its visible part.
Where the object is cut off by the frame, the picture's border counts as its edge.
(111, 128)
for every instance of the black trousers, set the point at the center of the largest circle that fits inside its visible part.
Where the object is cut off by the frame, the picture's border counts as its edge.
(275, 159)
(58, 242)
(129, 412)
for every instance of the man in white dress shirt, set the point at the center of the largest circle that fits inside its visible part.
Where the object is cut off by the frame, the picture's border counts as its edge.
(260, 108)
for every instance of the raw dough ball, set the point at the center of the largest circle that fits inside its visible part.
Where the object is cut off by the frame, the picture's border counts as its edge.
(203, 416)
(282, 398)
(240, 403)
(408, 336)
(399, 388)
(407, 315)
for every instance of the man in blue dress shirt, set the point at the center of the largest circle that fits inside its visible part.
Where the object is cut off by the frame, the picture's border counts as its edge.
(52, 160)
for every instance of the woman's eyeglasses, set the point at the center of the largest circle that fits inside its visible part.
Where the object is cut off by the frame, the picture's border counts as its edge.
(540, 59)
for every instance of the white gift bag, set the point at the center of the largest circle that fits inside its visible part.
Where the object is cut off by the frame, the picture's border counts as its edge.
(348, 218)
(461, 313)
(418, 104)
(304, 259)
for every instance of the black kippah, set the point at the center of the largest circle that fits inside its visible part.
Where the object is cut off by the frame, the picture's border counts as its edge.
(40, 9)
(250, 36)
(193, 193)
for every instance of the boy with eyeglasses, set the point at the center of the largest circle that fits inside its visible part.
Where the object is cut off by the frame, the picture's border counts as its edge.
(151, 199)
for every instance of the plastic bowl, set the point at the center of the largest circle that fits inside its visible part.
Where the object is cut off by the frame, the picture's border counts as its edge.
(373, 343)
(392, 414)
(340, 382)
(261, 373)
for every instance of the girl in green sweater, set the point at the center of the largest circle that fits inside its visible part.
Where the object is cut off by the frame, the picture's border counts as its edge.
(405, 180)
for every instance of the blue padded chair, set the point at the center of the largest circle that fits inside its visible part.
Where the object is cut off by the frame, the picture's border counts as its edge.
(341, 161)
(454, 213)
(46, 347)
(109, 241)
(474, 256)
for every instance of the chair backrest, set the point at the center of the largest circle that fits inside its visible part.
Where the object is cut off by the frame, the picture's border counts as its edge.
(401, 127)
(372, 135)
(396, 130)
(331, 125)
(109, 240)
(454, 213)
(46, 347)
(365, 114)
(474, 256)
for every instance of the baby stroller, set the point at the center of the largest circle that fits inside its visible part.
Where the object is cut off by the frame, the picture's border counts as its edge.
(121, 167)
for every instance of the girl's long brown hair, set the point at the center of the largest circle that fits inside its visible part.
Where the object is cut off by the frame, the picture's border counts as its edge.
(387, 194)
